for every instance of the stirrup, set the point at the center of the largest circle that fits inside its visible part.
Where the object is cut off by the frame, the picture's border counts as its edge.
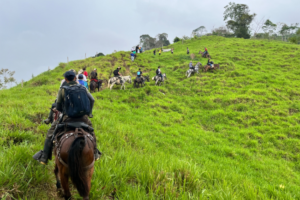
(38, 156)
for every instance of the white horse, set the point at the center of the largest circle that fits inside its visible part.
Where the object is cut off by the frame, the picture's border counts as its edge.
(158, 79)
(116, 80)
(191, 71)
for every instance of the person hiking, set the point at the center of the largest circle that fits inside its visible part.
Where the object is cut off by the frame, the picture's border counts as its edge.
(187, 51)
(158, 73)
(191, 66)
(79, 113)
(159, 52)
(137, 48)
(210, 63)
(81, 81)
(141, 50)
(154, 51)
(172, 50)
(118, 74)
(132, 56)
(139, 73)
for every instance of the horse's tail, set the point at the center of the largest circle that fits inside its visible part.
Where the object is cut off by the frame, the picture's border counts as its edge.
(76, 168)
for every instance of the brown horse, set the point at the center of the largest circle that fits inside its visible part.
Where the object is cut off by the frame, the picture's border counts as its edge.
(207, 67)
(204, 56)
(95, 85)
(74, 158)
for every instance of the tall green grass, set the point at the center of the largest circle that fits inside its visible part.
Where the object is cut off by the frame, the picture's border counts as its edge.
(231, 134)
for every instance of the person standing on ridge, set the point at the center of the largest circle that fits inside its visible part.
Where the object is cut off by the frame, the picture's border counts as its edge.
(159, 52)
(187, 51)
(137, 48)
(132, 56)
(62, 106)
(172, 50)
(154, 51)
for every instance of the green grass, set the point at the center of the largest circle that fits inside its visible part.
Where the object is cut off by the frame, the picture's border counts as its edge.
(231, 134)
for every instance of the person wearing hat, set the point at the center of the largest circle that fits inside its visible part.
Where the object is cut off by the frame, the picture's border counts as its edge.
(62, 83)
(205, 51)
(118, 74)
(70, 79)
(132, 56)
(81, 80)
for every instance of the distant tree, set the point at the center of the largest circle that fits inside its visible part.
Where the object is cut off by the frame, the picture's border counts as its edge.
(176, 39)
(296, 38)
(222, 31)
(269, 28)
(6, 77)
(162, 40)
(199, 31)
(147, 42)
(240, 19)
(99, 54)
(287, 30)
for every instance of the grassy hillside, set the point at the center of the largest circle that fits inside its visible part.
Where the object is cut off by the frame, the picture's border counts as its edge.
(231, 134)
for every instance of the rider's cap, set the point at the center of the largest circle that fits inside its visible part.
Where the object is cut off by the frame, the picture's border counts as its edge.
(95, 69)
(70, 75)
(119, 67)
(80, 76)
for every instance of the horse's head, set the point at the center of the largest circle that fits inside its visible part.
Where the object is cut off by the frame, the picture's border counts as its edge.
(129, 79)
(165, 75)
(147, 78)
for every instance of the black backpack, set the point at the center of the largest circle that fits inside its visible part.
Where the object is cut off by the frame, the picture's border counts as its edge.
(76, 102)
(157, 72)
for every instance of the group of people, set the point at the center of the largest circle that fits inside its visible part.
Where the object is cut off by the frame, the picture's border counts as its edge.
(161, 50)
(209, 62)
(133, 53)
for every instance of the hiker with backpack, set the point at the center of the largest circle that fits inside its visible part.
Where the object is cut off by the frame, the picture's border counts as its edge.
(154, 51)
(76, 104)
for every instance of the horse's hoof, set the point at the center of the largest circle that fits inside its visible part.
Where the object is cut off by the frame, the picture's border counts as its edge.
(60, 193)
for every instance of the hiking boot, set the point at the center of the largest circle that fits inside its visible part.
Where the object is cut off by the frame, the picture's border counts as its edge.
(97, 154)
(47, 121)
(43, 155)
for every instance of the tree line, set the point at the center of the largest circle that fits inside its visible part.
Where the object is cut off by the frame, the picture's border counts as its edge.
(239, 23)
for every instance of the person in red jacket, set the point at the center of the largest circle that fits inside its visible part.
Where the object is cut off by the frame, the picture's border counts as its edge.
(85, 72)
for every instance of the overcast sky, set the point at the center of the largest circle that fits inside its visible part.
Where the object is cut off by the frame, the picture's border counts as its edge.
(37, 34)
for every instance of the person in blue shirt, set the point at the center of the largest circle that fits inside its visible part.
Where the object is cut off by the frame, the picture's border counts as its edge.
(132, 56)
(139, 74)
(82, 82)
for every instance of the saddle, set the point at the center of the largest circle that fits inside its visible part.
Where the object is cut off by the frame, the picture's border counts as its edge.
(139, 79)
(81, 130)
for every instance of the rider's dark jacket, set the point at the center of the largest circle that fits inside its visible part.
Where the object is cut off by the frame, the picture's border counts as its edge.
(116, 73)
(61, 97)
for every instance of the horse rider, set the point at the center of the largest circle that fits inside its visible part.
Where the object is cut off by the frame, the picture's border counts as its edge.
(205, 51)
(191, 66)
(210, 63)
(61, 105)
(118, 74)
(158, 73)
(139, 73)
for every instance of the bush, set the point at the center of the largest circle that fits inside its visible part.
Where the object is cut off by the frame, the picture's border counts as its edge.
(176, 39)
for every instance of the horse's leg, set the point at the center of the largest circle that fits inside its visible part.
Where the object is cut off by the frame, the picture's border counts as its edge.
(58, 184)
(89, 180)
(64, 178)
(112, 85)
